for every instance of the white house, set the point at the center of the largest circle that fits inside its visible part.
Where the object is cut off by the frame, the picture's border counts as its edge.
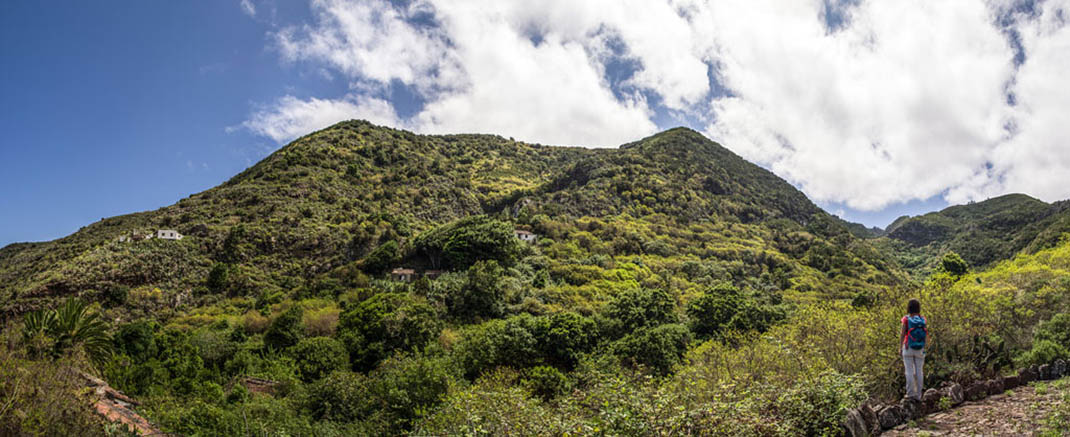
(168, 234)
(525, 236)
(402, 274)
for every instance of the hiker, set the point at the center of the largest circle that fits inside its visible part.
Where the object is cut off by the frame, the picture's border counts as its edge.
(912, 348)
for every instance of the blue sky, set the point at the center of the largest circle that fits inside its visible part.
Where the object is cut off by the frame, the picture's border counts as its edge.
(112, 108)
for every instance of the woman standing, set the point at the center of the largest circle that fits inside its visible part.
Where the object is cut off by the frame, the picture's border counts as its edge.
(912, 340)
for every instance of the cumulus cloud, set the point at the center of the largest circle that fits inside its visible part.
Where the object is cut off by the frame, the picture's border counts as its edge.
(290, 117)
(864, 103)
(248, 7)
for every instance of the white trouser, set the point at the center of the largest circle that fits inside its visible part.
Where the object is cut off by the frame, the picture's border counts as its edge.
(913, 362)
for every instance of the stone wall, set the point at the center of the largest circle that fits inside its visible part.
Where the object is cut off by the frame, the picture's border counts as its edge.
(871, 420)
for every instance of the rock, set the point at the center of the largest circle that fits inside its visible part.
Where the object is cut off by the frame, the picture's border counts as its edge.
(1010, 382)
(995, 386)
(912, 408)
(854, 425)
(931, 401)
(1044, 372)
(873, 425)
(1059, 368)
(976, 391)
(954, 392)
(1026, 375)
(890, 416)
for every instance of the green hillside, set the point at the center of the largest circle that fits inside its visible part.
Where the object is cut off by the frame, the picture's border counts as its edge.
(982, 233)
(649, 260)
(330, 198)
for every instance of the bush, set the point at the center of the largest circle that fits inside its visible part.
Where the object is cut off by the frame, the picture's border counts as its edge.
(482, 295)
(318, 356)
(638, 308)
(286, 330)
(1055, 330)
(1043, 352)
(461, 244)
(660, 348)
(341, 396)
(405, 388)
(254, 323)
(817, 407)
(954, 265)
(385, 323)
(382, 258)
(545, 382)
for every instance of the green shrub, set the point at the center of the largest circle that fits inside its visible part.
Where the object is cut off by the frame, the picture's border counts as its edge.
(382, 258)
(341, 396)
(545, 382)
(318, 356)
(385, 323)
(462, 243)
(1055, 330)
(482, 296)
(659, 348)
(638, 308)
(1043, 352)
(286, 330)
(817, 407)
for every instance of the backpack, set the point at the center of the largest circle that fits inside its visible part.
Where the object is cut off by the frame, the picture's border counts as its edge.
(916, 332)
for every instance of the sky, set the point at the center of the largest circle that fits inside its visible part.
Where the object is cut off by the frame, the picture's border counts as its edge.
(874, 109)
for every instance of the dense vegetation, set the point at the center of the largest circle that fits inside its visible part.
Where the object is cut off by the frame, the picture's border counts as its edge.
(673, 288)
(983, 232)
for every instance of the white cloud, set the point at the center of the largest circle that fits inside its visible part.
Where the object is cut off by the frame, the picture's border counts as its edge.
(903, 100)
(290, 117)
(248, 8)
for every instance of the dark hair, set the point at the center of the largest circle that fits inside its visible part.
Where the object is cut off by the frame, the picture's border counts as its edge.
(913, 307)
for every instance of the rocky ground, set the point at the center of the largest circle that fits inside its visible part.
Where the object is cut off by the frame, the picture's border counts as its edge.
(1023, 411)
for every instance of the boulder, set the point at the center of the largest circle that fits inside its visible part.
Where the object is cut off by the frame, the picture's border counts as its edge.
(1059, 368)
(890, 416)
(1026, 375)
(995, 386)
(1010, 382)
(912, 408)
(1044, 372)
(854, 425)
(873, 425)
(931, 401)
(976, 391)
(954, 392)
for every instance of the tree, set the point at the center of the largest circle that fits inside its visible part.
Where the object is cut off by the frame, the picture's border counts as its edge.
(385, 323)
(483, 294)
(70, 326)
(380, 259)
(954, 265)
(637, 308)
(217, 278)
(286, 330)
(460, 244)
(318, 356)
(712, 312)
(659, 348)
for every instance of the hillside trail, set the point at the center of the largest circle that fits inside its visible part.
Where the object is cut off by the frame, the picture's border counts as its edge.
(1020, 412)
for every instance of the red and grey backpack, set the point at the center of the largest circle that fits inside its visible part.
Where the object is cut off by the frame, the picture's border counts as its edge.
(916, 332)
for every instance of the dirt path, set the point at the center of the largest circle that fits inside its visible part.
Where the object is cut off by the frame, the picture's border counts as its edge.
(1019, 412)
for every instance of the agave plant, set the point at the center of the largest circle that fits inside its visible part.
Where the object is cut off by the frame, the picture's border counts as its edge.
(72, 324)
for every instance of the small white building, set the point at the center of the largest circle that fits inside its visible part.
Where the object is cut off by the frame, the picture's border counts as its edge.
(402, 274)
(168, 234)
(525, 236)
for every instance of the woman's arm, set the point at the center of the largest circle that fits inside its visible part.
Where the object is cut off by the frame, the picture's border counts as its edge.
(902, 336)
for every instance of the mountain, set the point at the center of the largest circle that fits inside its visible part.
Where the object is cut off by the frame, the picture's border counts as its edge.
(982, 233)
(330, 198)
(666, 286)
